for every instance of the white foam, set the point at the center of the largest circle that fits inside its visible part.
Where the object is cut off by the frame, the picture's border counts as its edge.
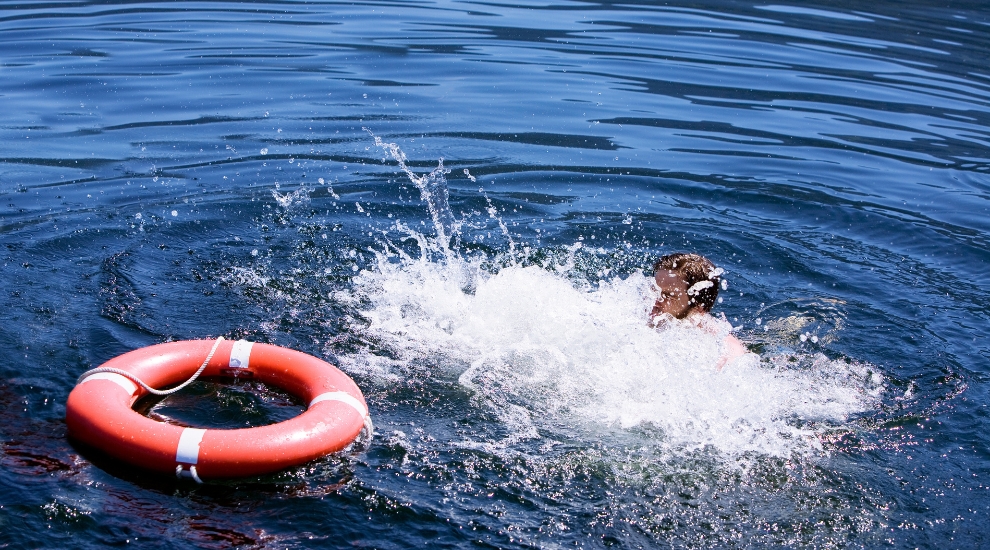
(549, 356)
(555, 359)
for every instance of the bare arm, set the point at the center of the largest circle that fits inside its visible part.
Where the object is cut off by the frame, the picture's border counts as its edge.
(734, 349)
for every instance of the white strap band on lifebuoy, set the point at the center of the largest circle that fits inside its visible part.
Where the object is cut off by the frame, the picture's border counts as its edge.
(240, 355)
(188, 450)
(343, 397)
(118, 379)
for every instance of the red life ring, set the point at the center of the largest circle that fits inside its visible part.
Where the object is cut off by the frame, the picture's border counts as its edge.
(99, 411)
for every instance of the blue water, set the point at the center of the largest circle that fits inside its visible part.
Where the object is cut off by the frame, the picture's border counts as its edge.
(195, 169)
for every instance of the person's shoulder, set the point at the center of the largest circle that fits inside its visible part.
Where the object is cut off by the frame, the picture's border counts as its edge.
(733, 346)
(712, 324)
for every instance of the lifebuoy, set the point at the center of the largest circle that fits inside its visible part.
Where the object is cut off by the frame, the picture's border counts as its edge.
(99, 410)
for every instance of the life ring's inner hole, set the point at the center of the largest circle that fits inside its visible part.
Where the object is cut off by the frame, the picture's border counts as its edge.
(223, 405)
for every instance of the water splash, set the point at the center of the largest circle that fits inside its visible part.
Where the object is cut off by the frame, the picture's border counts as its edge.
(550, 358)
(287, 200)
(555, 356)
(433, 191)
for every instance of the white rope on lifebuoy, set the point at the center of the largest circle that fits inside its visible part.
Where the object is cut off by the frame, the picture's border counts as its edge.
(148, 388)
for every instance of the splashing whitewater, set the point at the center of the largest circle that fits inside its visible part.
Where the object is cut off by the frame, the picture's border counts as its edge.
(551, 357)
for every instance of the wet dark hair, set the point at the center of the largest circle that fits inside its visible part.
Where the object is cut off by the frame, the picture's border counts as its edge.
(694, 269)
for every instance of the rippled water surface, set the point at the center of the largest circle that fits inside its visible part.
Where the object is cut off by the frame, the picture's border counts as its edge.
(457, 202)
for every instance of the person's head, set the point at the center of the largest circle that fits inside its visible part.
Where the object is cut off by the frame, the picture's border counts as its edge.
(688, 283)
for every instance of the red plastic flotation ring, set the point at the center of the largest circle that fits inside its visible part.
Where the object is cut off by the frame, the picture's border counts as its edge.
(99, 411)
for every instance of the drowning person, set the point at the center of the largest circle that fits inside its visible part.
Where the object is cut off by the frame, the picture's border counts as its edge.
(688, 285)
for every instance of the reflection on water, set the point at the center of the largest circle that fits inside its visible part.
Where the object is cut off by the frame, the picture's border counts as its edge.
(188, 170)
